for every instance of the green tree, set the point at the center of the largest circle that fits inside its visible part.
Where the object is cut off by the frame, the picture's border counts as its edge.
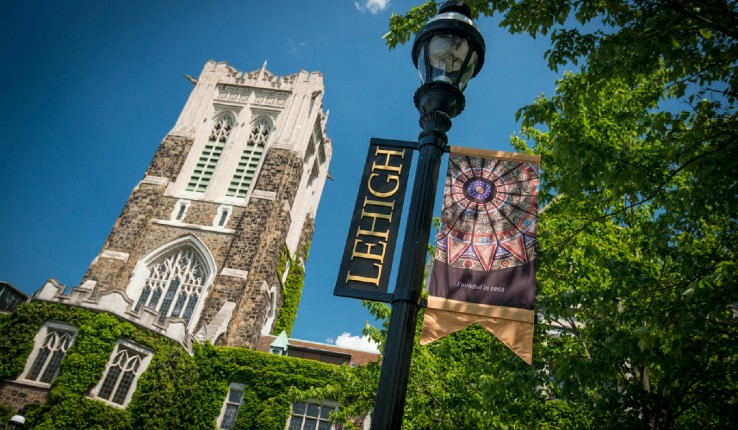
(637, 262)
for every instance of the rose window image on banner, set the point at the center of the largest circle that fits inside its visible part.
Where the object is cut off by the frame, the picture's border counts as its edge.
(489, 213)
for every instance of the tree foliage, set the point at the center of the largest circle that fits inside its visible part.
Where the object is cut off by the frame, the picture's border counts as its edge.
(638, 270)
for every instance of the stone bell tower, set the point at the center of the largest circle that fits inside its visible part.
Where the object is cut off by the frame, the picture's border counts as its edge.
(234, 185)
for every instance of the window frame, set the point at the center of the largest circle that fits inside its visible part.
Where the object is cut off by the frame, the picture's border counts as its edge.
(271, 315)
(182, 205)
(39, 342)
(143, 268)
(327, 403)
(226, 403)
(252, 156)
(206, 165)
(228, 210)
(145, 355)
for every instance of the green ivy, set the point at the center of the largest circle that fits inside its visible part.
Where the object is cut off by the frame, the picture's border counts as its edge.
(176, 391)
(5, 413)
(292, 292)
(284, 257)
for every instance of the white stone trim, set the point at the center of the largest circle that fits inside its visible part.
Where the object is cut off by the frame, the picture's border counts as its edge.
(115, 255)
(51, 291)
(282, 145)
(270, 98)
(118, 303)
(195, 226)
(145, 361)
(177, 208)
(271, 315)
(88, 285)
(155, 180)
(219, 213)
(235, 273)
(218, 324)
(186, 132)
(264, 195)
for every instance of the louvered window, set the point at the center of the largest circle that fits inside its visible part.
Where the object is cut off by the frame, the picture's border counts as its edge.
(205, 167)
(249, 161)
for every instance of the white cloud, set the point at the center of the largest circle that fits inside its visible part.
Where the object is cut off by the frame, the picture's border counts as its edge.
(330, 340)
(295, 46)
(373, 6)
(362, 343)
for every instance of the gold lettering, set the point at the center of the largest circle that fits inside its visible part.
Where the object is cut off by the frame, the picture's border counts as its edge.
(383, 234)
(390, 205)
(368, 254)
(365, 214)
(388, 193)
(367, 279)
(386, 165)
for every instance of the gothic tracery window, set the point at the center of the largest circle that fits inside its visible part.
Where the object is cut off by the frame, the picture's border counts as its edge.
(175, 283)
(126, 364)
(247, 165)
(48, 354)
(205, 166)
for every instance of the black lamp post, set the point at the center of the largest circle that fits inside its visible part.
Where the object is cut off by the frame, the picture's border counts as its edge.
(447, 52)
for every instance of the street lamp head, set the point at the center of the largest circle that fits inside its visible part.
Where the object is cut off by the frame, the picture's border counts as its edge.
(449, 48)
(448, 51)
(17, 422)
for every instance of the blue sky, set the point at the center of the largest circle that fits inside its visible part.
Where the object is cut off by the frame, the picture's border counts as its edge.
(91, 88)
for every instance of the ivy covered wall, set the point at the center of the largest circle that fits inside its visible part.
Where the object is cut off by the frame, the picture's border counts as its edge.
(177, 391)
(293, 285)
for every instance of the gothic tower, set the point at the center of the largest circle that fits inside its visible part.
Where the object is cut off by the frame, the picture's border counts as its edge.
(234, 185)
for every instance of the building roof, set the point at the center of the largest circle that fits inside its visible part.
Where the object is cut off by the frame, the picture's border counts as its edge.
(13, 289)
(357, 358)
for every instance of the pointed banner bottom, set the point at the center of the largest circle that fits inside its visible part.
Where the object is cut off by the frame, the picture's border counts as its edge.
(517, 335)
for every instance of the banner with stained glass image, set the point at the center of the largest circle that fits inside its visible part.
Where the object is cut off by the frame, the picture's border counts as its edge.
(484, 266)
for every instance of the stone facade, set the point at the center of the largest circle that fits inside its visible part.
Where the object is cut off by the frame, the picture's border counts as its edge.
(238, 238)
(16, 395)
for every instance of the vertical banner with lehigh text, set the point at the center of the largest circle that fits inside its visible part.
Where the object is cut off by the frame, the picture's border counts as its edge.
(367, 257)
(484, 267)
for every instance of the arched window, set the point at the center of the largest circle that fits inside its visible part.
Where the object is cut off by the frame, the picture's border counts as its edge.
(232, 403)
(249, 162)
(205, 167)
(175, 283)
(50, 346)
(126, 364)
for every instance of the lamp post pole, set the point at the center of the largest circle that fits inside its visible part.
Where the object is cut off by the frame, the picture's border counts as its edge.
(395, 371)
(448, 52)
